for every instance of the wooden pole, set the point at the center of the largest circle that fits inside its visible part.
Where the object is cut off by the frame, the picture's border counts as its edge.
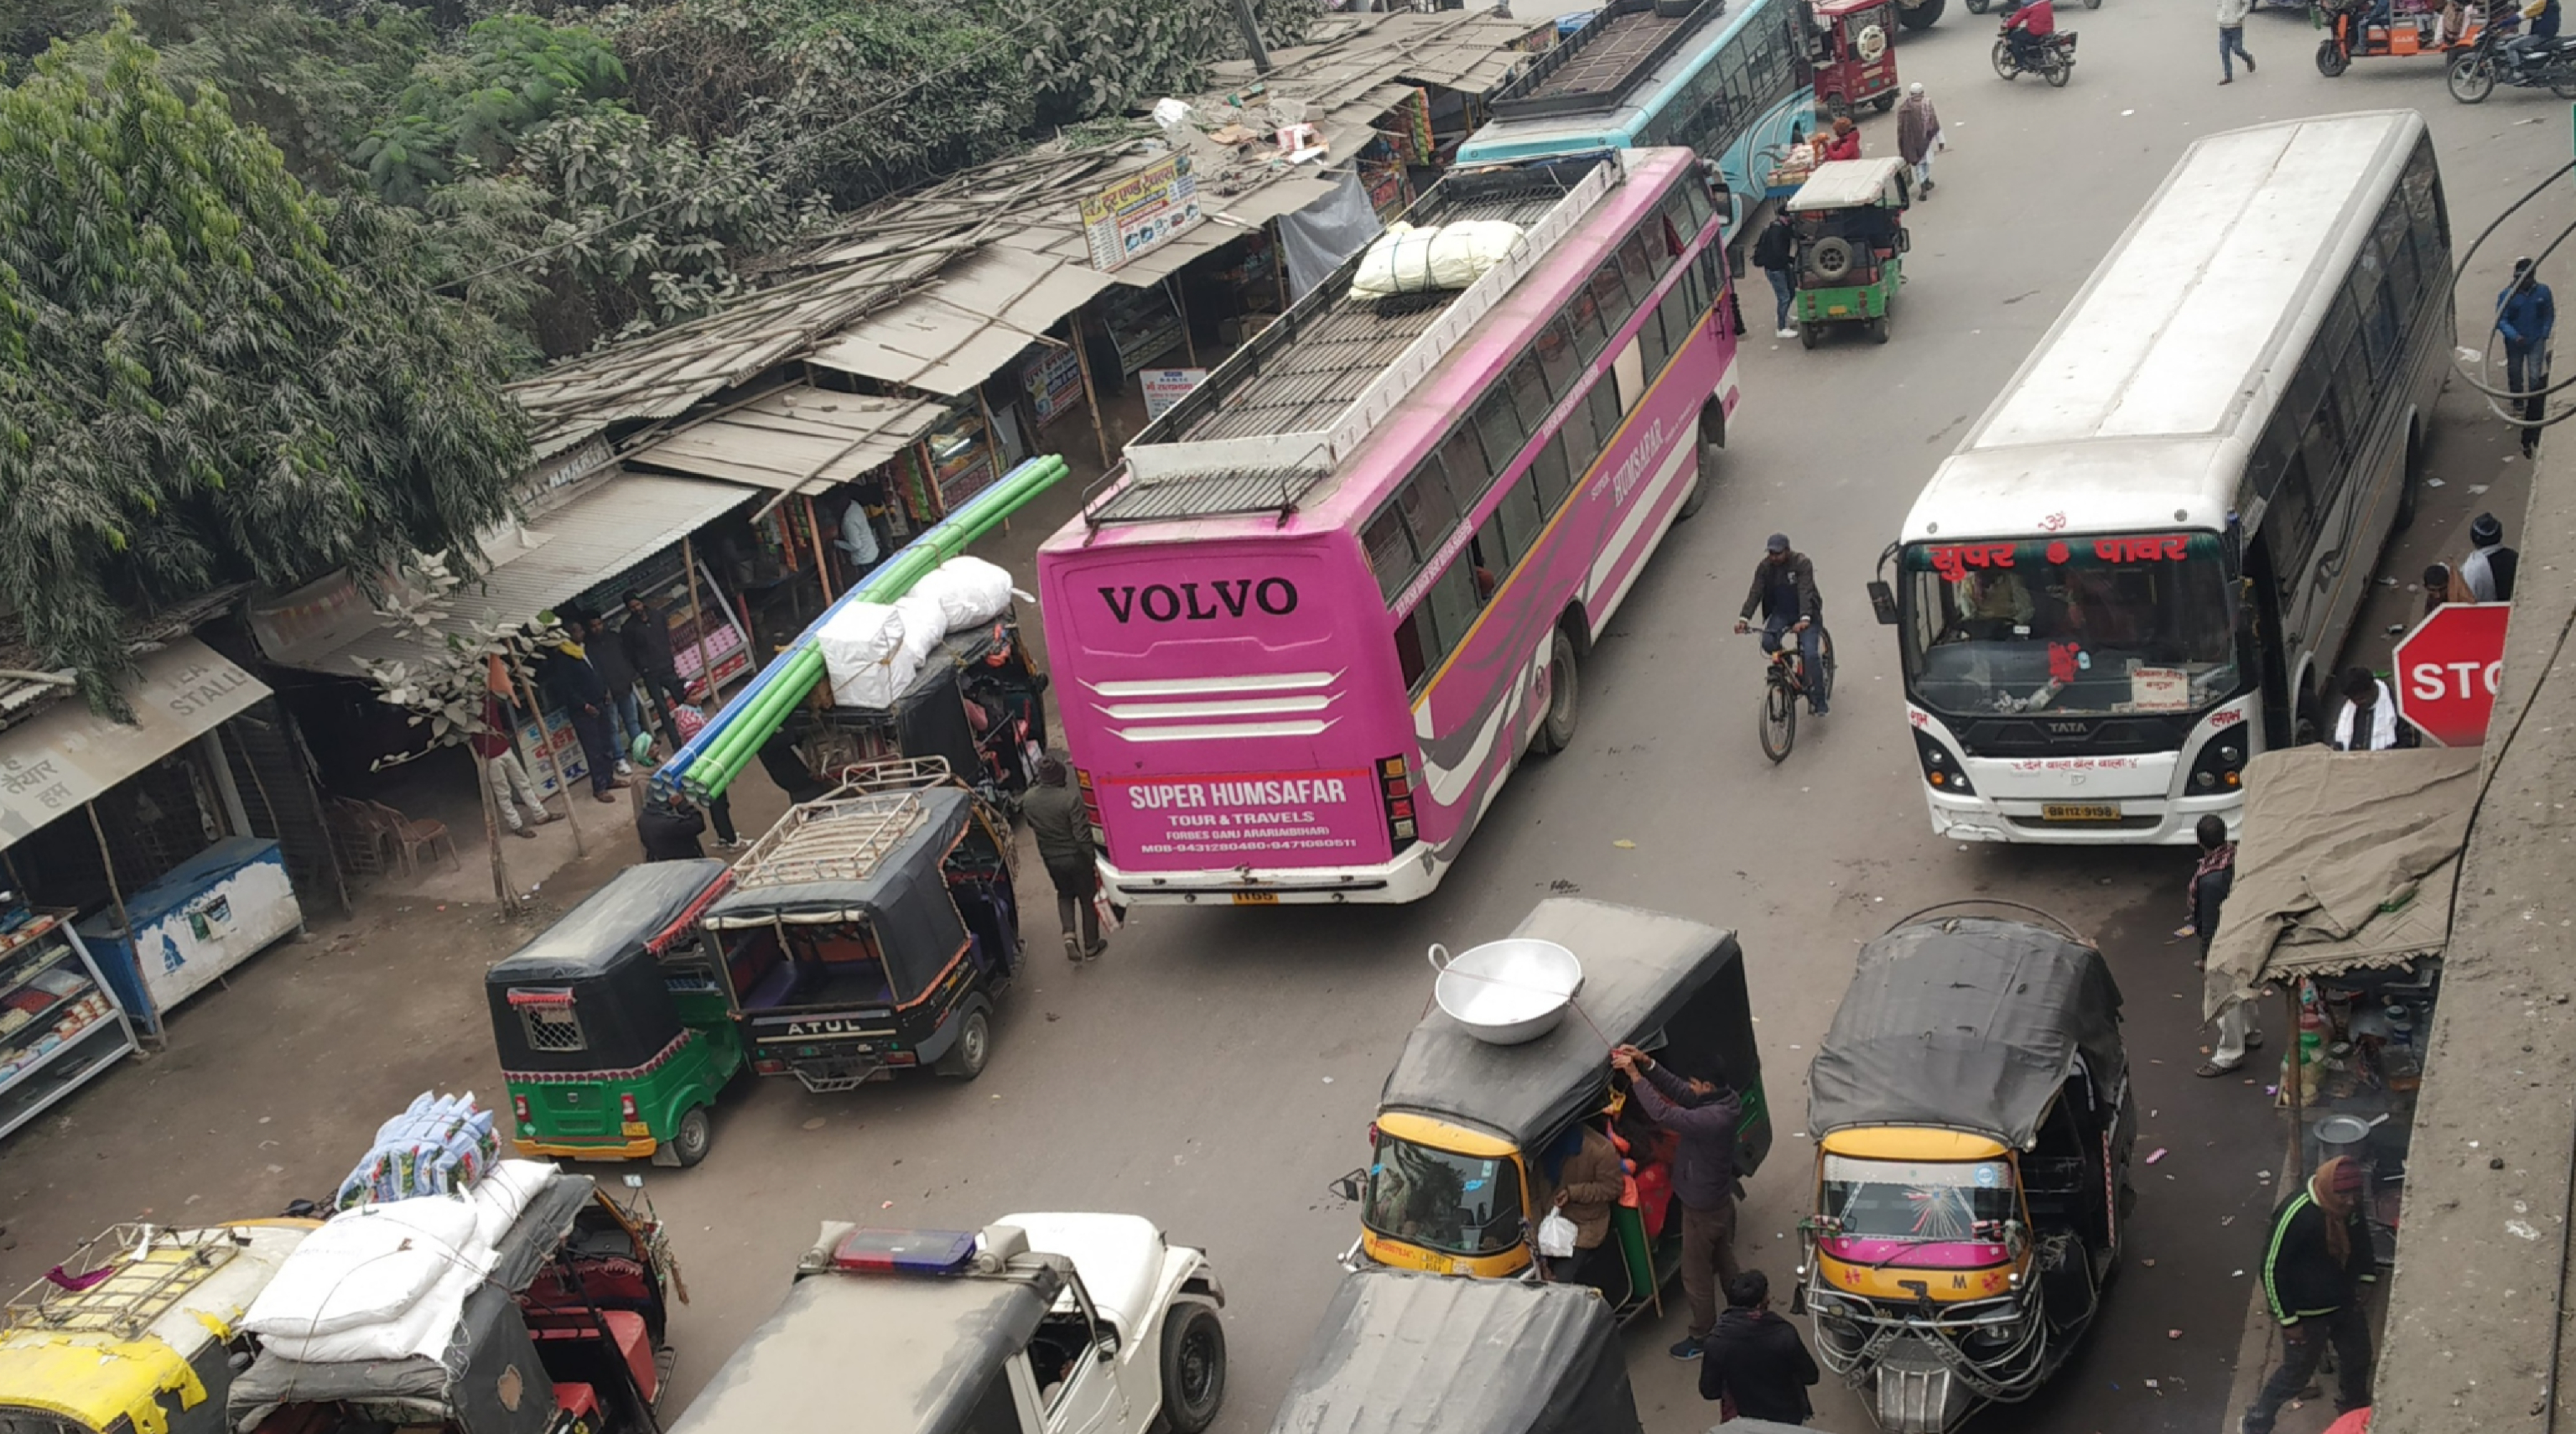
(697, 624)
(125, 926)
(507, 894)
(822, 564)
(992, 444)
(1090, 394)
(1181, 307)
(546, 749)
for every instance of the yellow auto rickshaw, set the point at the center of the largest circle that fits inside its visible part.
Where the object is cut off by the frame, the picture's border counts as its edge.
(138, 1333)
(1974, 1121)
(1457, 1181)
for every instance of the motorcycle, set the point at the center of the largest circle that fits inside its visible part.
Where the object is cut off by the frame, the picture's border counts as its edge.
(2495, 60)
(2055, 63)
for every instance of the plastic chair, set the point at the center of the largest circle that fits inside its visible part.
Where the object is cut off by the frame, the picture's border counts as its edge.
(413, 836)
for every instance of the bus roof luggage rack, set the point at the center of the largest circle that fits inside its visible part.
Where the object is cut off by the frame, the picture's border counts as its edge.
(1275, 419)
(843, 834)
(1596, 66)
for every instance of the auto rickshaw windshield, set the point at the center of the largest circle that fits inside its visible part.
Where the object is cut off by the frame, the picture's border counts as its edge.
(1439, 1199)
(1928, 1201)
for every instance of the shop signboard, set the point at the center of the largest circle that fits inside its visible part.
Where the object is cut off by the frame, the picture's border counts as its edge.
(556, 738)
(1054, 383)
(1141, 212)
(1166, 387)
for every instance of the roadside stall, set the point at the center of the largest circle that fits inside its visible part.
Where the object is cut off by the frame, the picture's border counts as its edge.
(2346, 865)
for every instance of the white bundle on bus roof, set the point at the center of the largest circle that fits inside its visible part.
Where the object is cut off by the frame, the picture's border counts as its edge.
(1406, 260)
(864, 655)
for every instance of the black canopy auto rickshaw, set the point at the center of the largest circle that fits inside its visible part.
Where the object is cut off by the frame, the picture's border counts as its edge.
(614, 1035)
(1401, 1352)
(1457, 1178)
(871, 930)
(1973, 1123)
(564, 1336)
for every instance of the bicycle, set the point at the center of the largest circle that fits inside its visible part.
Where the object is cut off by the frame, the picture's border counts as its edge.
(1784, 681)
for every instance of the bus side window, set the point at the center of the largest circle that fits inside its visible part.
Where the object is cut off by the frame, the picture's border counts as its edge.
(1529, 392)
(1610, 291)
(1547, 473)
(1519, 518)
(1453, 607)
(1414, 643)
(1390, 550)
(2405, 285)
(1656, 340)
(1468, 475)
(1558, 358)
(1580, 442)
(1637, 270)
(1500, 428)
(1428, 509)
(1679, 316)
(1607, 408)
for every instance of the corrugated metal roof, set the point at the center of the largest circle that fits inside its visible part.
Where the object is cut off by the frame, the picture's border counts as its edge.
(798, 439)
(974, 318)
(594, 537)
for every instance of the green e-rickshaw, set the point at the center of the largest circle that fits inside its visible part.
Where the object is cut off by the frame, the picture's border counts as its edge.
(1849, 223)
(615, 1035)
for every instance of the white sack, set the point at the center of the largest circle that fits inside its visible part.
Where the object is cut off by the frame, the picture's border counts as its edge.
(1406, 260)
(924, 624)
(971, 591)
(501, 1197)
(367, 1266)
(423, 1331)
(863, 655)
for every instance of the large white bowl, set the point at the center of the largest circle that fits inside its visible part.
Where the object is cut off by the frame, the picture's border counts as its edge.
(1507, 992)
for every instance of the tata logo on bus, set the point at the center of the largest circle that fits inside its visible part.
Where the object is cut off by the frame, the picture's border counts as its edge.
(1201, 602)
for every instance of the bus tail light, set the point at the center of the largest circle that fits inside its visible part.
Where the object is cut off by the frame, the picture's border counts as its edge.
(2221, 766)
(1941, 770)
(1091, 807)
(1395, 782)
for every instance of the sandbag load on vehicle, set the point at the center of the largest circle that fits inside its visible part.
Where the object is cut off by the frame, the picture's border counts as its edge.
(1406, 260)
(872, 651)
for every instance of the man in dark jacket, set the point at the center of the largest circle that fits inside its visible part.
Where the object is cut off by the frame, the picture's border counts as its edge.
(786, 766)
(1756, 1365)
(1703, 1179)
(607, 653)
(669, 828)
(1775, 253)
(647, 640)
(2526, 313)
(2211, 879)
(1063, 829)
(2316, 1261)
(567, 679)
(1784, 588)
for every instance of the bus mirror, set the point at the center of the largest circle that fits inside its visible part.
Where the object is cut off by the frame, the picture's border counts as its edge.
(1882, 602)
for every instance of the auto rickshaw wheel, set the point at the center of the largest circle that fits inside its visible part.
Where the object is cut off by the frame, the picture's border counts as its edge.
(1807, 334)
(1878, 329)
(965, 1060)
(1830, 257)
(1836, 107)
(1978, 7)
(1193, 1367)
(695, 1133)
(1884, 102)
(2331, 59)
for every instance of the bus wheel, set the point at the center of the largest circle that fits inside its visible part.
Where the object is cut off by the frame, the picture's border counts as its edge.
(1703, 472)
(1921, 16)
(2304, 728)
(1564, 696)
(689, 1143)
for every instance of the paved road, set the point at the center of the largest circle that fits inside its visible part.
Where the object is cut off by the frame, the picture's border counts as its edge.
(1218, 1068)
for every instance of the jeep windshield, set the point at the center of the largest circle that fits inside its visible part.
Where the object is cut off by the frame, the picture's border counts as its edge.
(2082, 626)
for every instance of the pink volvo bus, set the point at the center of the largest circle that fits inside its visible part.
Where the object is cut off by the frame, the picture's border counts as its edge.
(1302, 633)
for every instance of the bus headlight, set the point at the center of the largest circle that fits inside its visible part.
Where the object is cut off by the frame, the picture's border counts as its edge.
(1941, 770)
(2220, 768)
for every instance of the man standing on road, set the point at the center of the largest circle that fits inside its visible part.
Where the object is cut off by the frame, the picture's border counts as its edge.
(2488, 569)
(2231, 39)
(1703, 1180)
(1784, 587)
(625, 708)
(511, 786)
(565, 676)
(2525, 315)
(1756, 1367)
(2316, 1259)
(647, 636)
(1063, 829)
(1775, 253)
(1918, 133)
(2368, 722)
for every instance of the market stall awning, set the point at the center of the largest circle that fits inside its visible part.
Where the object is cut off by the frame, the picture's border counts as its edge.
(65, 756)
(2345, 861)
(956, 333)
(624, 520)
(797, 439)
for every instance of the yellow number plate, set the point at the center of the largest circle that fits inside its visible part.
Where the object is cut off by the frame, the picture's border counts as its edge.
(634, 1128)
(2079, 811)
(1256, 898)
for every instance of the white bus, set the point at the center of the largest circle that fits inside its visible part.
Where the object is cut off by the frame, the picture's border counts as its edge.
(2138, 568)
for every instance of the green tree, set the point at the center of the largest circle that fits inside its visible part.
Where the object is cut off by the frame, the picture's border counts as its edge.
(206, 372)
(476, 101)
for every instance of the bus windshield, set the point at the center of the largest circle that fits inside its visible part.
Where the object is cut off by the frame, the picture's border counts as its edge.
(1460, 1204)
(2081, 626)
(1917, 1201)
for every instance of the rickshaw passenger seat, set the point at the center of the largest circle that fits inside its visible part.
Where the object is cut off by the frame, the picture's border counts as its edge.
(578, 1400)
(775, 989)
(635, 1347)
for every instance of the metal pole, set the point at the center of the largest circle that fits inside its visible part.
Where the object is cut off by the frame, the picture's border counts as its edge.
(822, 565)
(546, 749)
(1181, 306)
(1090, 394)
(125, 928)
(697, 624)
(1252, 36)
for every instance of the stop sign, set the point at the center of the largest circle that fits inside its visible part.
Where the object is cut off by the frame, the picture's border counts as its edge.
(2448, 670)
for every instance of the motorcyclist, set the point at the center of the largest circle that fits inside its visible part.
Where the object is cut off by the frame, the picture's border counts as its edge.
(1784, 588)
(2029, 28)
(2539, 33)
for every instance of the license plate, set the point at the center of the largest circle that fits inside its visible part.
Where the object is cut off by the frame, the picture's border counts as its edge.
(2079, 811)
(1256, 898)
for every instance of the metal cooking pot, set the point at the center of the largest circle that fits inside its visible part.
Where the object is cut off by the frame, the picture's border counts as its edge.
(1506, 992)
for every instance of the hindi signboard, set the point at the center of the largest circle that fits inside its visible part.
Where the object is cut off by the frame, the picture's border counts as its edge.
(1141, 212)
(1166, 387)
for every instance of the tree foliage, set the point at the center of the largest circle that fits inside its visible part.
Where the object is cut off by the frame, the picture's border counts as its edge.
(207, 372)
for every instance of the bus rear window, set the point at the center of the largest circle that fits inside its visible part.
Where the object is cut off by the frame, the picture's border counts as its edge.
(1390, 551)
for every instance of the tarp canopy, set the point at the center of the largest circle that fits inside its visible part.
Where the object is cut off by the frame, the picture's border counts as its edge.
(490, 1380)
(903, 896)
(65, 756)
(618, 921)
(1407, 1353)
(2345, 861)
(540, 1230)
(1965, 1023)
(1639, 969)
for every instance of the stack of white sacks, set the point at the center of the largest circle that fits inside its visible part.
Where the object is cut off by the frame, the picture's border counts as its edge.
(388, 1281)
(872, 651)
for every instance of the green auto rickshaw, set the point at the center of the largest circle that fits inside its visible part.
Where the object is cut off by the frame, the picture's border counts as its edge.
(1849, 223)
(615, 1034)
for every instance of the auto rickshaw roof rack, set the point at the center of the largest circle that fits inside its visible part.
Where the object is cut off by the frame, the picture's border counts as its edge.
(154, 1269)
(1596, 66)
(846, 833)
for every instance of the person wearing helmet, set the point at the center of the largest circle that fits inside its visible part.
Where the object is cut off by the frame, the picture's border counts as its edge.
(1784, 588)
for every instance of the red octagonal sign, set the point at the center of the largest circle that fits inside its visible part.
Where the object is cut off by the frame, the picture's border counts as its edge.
(2448, 670)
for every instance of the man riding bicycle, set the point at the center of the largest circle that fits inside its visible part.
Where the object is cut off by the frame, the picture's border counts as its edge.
(1784, 588)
